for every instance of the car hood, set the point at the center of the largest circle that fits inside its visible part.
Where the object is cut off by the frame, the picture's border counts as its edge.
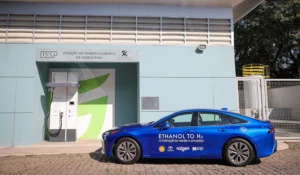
(130, 126)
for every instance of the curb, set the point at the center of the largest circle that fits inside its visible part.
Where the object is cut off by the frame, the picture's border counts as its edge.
(282, 145)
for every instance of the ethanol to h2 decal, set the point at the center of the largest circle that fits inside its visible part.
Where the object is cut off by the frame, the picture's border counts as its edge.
(192, 136)
(174, 138)
(180, 136)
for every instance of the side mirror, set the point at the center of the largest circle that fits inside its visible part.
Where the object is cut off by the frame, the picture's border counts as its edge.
(165, 126)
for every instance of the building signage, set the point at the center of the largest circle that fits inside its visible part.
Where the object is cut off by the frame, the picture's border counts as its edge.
(87, 55)
(150, 103)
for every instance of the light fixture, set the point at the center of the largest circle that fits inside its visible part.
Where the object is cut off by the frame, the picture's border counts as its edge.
(202, 47)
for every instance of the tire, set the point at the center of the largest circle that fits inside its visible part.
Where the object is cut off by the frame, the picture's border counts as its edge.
(238, 152)
(124, 151)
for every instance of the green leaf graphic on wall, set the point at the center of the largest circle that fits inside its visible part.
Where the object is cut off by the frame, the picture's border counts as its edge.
(97, 107)
(90, 84)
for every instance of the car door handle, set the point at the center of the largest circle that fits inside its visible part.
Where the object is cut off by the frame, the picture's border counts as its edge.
(222, 130)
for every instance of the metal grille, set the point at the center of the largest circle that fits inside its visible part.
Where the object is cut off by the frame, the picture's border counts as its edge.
(148, 30)
(173, 31)
(47, 29)
(20, 29)
(98, 29)
(37, 28)
(277, 100)
(3, 28)
(219, 32)
(284, 106)
(197, 31)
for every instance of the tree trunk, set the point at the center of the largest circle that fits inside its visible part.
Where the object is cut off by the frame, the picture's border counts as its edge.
(298, 71)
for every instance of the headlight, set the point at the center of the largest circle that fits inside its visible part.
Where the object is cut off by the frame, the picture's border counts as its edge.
(105, 134)
(109, 133)
(114, 131)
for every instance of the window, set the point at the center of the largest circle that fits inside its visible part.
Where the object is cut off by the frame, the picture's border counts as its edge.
(211, 119)
(234, 120)
(182, 120)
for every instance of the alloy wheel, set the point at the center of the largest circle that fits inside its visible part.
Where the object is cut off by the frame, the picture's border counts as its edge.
(126, 151)
(239, 153)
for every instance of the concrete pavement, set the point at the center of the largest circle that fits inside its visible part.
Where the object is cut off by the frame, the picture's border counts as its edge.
(85, 146)
(282, 162)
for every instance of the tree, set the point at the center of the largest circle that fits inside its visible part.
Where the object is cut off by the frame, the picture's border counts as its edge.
(270, 35)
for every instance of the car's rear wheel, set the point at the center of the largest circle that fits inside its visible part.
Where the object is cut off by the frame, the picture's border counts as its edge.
(127, 151)
(238, 152)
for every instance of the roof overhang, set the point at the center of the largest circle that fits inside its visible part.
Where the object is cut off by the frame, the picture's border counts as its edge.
(243, 8)
(240, 7)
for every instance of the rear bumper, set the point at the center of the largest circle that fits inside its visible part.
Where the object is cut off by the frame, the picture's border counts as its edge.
(275, 147)
(265, 145)
(269, 150)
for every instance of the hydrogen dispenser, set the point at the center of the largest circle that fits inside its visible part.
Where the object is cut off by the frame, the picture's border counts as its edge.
(62, 115)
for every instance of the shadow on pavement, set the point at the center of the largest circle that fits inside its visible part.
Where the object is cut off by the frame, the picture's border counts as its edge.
(190, 161)
(182, 161)
(98, 156)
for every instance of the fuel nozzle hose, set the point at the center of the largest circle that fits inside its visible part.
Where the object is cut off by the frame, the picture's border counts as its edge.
(48, 116)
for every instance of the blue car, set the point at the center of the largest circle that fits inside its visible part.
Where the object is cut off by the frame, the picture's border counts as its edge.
(195, 133)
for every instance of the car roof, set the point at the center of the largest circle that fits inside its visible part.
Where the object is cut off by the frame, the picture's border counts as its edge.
(222, 111)
(202, 109)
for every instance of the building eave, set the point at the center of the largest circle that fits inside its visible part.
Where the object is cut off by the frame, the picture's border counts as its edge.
(245, 7)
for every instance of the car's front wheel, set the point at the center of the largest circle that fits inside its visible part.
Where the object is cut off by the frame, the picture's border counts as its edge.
(238, 152)
(127, 151)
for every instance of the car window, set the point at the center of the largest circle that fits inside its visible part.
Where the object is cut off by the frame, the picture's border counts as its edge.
(212, 119)
(234, 120)
(182, 120)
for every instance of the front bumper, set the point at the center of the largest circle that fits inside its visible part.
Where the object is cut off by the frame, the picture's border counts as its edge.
(103, 147)
(107, 147)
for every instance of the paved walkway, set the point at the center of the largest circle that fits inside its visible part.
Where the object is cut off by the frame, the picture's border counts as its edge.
(46, 148)
(52, 148)
(282, 162)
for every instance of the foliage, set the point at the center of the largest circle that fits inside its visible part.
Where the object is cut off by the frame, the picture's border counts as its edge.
(270, 35)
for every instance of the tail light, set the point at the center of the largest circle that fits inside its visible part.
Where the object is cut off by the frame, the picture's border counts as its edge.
(271, 130)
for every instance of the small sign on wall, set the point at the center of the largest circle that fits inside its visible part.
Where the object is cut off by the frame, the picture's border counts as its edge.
(150, 103)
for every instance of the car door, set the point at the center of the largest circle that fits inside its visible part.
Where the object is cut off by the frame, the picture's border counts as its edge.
(211, 133)
(172, 142)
